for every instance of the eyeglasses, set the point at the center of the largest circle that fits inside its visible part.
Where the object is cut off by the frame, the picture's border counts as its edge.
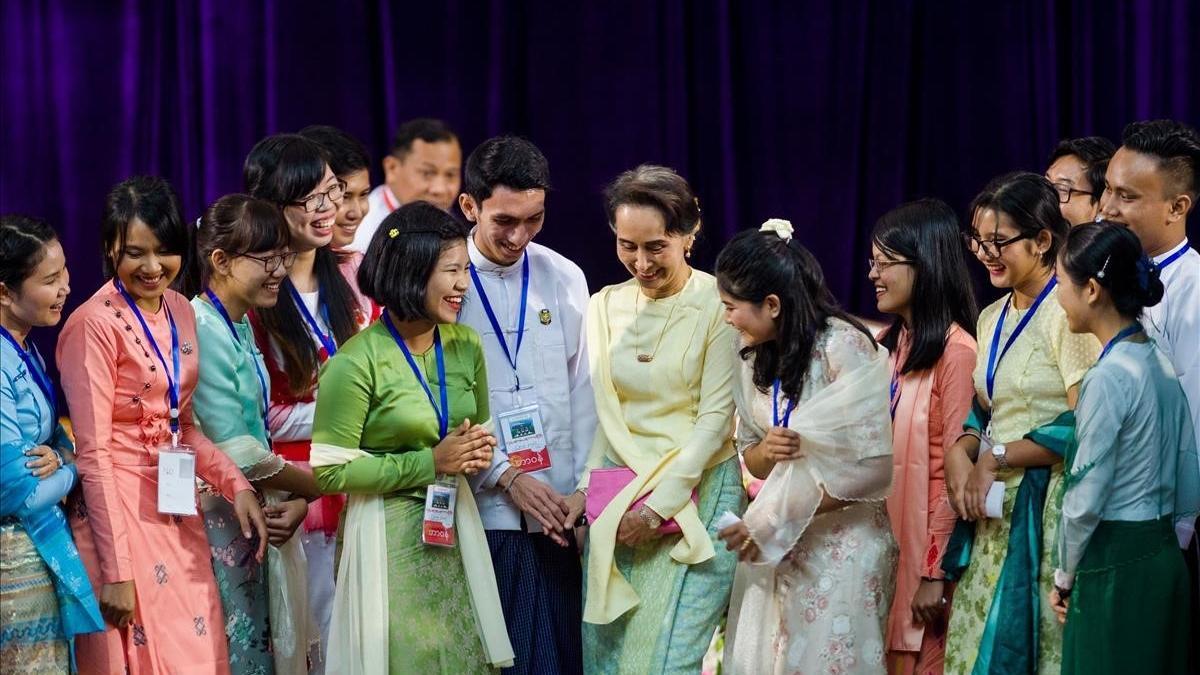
(881, 265)
(1065, 192)
(992, 248)
(272, 262)
(316, 201)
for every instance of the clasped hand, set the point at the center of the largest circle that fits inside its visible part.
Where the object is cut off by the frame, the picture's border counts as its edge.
(467, 449)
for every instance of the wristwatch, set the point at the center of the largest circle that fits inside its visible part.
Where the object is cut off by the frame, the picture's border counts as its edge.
(1000, 454)
(649, 517)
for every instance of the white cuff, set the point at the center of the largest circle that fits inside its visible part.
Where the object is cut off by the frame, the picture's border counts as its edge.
(1063, 580)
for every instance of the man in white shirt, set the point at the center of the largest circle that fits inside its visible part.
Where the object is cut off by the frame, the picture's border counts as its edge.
(1151, 186)
(528, 304)
(425, 163)
(1076, 171)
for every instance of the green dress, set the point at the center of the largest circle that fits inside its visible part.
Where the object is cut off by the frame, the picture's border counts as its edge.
(371, 400)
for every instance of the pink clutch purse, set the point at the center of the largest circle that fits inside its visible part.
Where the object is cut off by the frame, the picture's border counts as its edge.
(604, 484)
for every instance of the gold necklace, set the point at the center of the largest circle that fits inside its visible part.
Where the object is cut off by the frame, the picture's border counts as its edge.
(643, 357)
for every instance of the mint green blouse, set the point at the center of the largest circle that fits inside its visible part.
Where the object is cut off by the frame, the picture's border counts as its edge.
(370, 399)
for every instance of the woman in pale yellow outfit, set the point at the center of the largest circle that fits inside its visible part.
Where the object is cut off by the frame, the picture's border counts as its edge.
(663, 364)
(1027, 376)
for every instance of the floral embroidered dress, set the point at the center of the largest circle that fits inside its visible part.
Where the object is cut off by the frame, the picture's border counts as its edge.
(817, 599)
(117, 392)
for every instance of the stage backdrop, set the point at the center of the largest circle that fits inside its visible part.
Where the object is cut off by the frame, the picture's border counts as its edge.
(824, 113)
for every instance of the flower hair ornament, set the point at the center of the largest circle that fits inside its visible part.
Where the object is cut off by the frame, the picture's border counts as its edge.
(782, 228)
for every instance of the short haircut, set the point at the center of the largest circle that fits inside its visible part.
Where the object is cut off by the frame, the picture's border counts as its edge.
(421, 129)
(23, 242)
(151, 200)
(1174, 144)
(659, 188)
(403, 254)
(1094, 152)
(346, 154)
(508, 161)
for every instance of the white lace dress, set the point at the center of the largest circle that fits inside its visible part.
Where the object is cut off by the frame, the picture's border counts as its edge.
(817, 600)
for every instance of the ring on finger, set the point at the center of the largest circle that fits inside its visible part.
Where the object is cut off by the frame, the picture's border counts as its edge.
(746, 544)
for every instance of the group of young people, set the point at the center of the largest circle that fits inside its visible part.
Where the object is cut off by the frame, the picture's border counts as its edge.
(418, 444)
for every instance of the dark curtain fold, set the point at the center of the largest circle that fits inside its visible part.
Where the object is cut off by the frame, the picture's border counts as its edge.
(825, 113)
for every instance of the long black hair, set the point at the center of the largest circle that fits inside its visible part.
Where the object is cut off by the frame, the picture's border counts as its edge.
(1112, 255)
(926, 233)
(755, 264)
(236, 224)
(282, 169)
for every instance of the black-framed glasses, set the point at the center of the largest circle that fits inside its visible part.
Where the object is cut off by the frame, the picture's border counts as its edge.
(316, 201)
(1065, 191)
(992, 248)
(272, 262)
(881, 265)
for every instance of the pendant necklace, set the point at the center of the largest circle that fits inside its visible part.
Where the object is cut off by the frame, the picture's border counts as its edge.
(643, 357)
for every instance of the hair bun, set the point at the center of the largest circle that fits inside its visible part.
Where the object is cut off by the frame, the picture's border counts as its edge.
(782, 228)
(1148, 276)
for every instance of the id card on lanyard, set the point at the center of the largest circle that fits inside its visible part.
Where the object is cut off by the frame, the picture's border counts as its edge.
(524, 439)
(437, 527)
(995, 354)
(176, 462)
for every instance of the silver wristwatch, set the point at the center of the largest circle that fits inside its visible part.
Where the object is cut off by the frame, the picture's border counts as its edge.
(1000, 454)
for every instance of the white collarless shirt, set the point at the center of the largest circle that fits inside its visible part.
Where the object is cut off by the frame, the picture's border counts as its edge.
(552, 366)
(381, 202)
(1174, 323)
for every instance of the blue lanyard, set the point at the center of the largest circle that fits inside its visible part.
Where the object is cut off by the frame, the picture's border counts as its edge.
(237, 341)
(787, 411)
(37, 370)
(172, 374)
(443, 413)
(994, 358)
(1172, 258)
(491, 315)
(326, 341)
(894, 392)
(1132, 329)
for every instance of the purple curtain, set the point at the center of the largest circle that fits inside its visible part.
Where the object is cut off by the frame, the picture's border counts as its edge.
(827, 114)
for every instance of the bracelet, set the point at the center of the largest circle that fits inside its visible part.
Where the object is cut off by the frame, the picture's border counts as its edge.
(649, 517)
(516, 475)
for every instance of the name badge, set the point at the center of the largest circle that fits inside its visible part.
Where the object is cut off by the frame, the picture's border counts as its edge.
(177, 480)
(524, 439)
(438, 528)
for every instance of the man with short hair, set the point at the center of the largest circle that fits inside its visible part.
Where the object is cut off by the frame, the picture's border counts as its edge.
(1076, 170)
(1152, 184)
(528, 304)
(424, 164)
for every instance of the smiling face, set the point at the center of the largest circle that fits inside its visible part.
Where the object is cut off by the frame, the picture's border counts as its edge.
(1069, 176)
(246, 278)
(353, 209)
(145, 268)
(1138, 196)
(654, 257)
(39, 299)
(506, 222)
(754, 322)
(893, 279)
(430, 172)
(448, 283)
(1019, 260)
(313, 230)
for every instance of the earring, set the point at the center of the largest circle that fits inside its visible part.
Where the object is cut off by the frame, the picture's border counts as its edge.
(687, 252)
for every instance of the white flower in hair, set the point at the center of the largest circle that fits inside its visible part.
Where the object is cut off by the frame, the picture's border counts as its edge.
(779, 226)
